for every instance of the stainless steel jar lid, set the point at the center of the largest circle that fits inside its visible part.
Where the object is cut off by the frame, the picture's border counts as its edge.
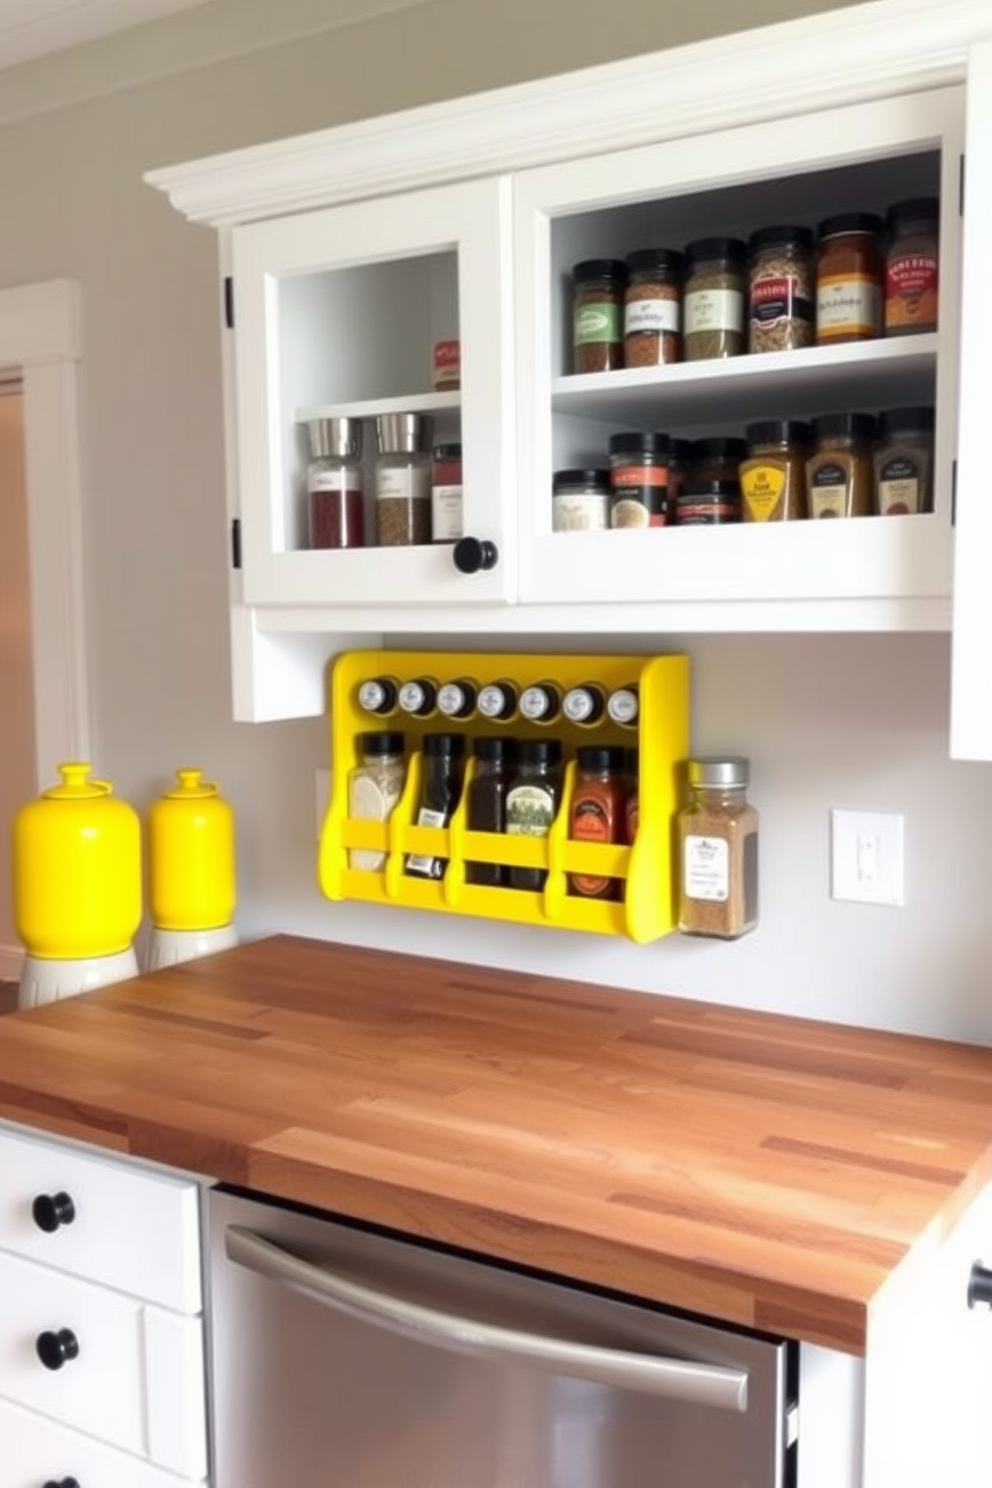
(334, 436)
(729, 769)
(400, 433)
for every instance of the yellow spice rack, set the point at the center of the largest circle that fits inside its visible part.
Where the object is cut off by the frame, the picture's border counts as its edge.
(661, 736)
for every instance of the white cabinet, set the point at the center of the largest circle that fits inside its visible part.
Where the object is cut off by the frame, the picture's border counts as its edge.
(102, 1372)
(466, 218)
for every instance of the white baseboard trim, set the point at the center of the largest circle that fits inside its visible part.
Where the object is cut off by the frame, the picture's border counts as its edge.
(11, 961)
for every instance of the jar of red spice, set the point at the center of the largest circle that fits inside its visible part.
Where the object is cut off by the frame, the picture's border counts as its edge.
(446, 493)
(597, 813)
(334, 484)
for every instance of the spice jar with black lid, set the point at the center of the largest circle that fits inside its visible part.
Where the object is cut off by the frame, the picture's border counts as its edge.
(597, 314)
(713, 300)
(708, 503)
(652, 320)
(904, 462)
(911, 266)
(440, 789)
(485, 802)
(717, 459)
(679, 460)
(849, 278)
(638, 480)
(781, 311)
(580, 501)
(532, 802)
(773, 477)
(839, 478)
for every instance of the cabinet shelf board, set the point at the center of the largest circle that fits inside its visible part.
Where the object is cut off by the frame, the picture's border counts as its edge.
(368, 408)
(748, 386)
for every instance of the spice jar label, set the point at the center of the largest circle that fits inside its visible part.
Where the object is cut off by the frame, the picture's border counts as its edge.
(590, 823)
(898, 488)
(911, 291)
(847, 306)
(826, 500)
(446, 513)
(776, 299)
(762, 488)
(706, 869)
(599, 321)
(530, 811)
(651, 315)
(714, 310)
(580, 513)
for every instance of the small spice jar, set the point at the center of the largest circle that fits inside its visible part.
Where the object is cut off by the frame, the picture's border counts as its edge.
(485, 803)
(839, 474)
(446, 493)
(334, 483)
(904, 462)
(532, 802)
(447, 366)
(652, 317)
(580, 501)
(911, 266)
(402, 481)
(849, 278)
(679, 460)
(597, 314)
(597, 813)
(717, 459)
(713, 299)
(718, 851)
(440, 789)
(781, 314)
(773, 477)
(638, 480)
(374, 788)
(708, 503)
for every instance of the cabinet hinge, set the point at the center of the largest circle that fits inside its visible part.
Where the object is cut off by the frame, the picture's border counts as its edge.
(961, 187)
(229, 302)
(954, 492)
(236, 542)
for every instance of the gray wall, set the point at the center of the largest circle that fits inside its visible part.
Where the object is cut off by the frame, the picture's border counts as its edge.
(855, 722)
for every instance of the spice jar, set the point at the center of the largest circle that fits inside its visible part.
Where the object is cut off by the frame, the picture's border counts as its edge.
(439, 792)
(597, 813)
(532, 802)
(540, 703)
(849, 275)
(497, 701)
(447, 366)
(638, 480)
(773, 477)
(446, 493)
(911, 262)
(623, 705)
(679, 460)
(597, 314)
(374, 788)
(718, 851)
(708, 503)
(904, 462)
(717, 459)
(839, 475)
(584, 704)
(456, 699)
(378, 695)
(781, 316)
(334, 483)
(713, 299)
(652, 317)
(485, 803)
(418, 697)
(580, 501)
(402, 481)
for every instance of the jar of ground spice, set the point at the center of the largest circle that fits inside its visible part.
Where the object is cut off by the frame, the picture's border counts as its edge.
(334, 483)
(402, 481)
(718, 851)
(652, 324)
(781, 312)
(717, 459)
(904, 462)
(911, 261)
(708, 503)
(580, 501)
(773, 477)
(597, 314)
(679, 460)
(638, 480)
(849, 278)
(839, 475)
(714, 299)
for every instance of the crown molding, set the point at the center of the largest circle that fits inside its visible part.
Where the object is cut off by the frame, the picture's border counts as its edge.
(875, 50)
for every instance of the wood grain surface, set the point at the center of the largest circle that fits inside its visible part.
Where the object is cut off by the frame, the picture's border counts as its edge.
(762, 1170)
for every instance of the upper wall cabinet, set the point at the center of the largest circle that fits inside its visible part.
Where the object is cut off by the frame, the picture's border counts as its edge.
(353, 251)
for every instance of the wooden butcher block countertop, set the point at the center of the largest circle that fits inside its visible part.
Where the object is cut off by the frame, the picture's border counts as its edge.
(763, 1170)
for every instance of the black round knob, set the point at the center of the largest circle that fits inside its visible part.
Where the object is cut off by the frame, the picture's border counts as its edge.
(49, 1211)
(56, 1349)
(62, 1483)
(471, 554)
(980, 1285)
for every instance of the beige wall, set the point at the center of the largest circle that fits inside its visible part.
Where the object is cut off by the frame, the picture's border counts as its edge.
(852, 722)
(16, 708)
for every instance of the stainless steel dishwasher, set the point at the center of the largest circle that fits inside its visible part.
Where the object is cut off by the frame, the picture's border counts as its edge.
(343, 1358)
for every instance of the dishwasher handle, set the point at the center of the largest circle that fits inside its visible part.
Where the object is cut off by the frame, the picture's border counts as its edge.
(672, 1379)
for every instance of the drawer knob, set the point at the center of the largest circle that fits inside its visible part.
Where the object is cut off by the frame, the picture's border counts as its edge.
(980, 1285)
(50, 1211)
(56, 1349)
(470, 554)
(62, 1483)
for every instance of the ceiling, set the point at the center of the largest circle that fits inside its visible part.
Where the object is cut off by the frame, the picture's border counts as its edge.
(35, 28)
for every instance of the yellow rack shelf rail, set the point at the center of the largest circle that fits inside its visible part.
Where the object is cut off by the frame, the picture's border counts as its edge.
(660, 735)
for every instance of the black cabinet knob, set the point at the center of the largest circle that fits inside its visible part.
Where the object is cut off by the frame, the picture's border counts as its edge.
(62, 1483)
(49, 1211)
(980, 1285)
(471, 554)
(56, 1349)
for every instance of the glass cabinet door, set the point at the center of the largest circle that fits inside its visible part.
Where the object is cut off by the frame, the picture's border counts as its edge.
(380, 321)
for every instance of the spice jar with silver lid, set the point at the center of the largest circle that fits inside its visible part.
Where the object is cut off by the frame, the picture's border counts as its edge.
(334, 483)
(402, 481)
(781, 308)
(713, 300)
(718, 850)
(580, 501)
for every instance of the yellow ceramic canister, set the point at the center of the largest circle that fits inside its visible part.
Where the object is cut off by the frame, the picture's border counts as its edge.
(191, 874)
(76, 869)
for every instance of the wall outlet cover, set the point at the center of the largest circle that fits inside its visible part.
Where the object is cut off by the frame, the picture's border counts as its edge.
(867, 857)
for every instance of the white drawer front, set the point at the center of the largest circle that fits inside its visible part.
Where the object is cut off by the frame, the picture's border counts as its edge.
(128, 1352)
(35, 1451)
(134, 1230)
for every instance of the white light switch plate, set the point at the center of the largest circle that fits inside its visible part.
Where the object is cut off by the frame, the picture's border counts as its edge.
(866, 857)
